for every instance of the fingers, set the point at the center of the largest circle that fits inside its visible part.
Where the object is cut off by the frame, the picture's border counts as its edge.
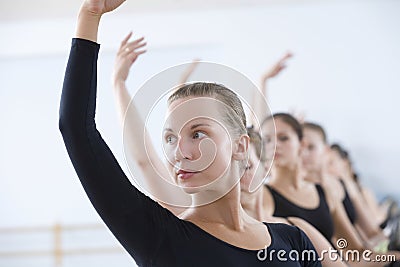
(138, 43)
(130, 49)
(126, 46)
(280, 65)
(133, 45)
(285, 57)
(126, 56)
(134, 49)
(140, 52)
(288, 55)
(126, 39)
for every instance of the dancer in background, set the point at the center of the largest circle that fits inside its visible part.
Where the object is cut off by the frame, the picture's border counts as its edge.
(291, 195)
(316, 152)
(315, 159)
(256, 204)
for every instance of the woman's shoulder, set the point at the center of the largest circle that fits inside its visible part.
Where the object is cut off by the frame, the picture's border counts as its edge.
(282, 228)
(287, 234)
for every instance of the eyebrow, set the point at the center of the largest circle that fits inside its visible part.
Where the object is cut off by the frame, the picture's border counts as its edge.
(198, 125)
(191, 128)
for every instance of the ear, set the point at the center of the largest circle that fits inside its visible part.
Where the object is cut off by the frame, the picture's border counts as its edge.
(302, 147)
(241, 147)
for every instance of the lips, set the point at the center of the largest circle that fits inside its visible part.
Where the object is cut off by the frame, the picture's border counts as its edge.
(181, 174)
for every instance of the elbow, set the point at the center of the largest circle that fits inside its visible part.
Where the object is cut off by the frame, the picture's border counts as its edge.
(61, 124)
(68, 125)
(63, 117)
(66, 130)
(64, 124)
(73, 125)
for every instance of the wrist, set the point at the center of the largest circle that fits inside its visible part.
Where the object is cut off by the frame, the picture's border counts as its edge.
(91, 10)
(118, 83)
(87, 14)
(264, 80)
(88, 24)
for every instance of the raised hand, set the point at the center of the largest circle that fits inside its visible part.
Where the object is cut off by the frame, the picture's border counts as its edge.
(89, 17)
(259, 106)
(127, 54)
(276, 68)
(99, 7)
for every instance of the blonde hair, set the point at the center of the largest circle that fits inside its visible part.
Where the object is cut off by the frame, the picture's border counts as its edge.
(233, 116)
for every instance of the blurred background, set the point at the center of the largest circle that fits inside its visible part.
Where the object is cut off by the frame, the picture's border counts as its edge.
(344, 75)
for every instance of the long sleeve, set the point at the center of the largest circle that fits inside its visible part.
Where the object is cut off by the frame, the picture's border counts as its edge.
(134, 219)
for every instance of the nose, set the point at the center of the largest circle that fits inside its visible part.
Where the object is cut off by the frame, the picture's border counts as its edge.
(278, 144)
(304, 153)
(182, 150)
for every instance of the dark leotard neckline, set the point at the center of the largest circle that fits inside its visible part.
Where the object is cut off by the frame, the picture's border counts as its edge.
(294, 204)
(204, 232)
(319, 217)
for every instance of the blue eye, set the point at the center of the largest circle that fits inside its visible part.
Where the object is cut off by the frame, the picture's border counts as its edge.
(170, 139)
(198, 135)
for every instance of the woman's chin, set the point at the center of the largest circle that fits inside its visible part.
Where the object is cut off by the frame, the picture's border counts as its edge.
(191, 190)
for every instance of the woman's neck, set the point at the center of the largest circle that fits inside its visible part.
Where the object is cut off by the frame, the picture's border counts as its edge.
(286, 177)
(315, 176)
(253, 203)
(227, 211)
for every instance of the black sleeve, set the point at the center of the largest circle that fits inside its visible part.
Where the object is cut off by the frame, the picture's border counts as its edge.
(134, 219)
(308, 251)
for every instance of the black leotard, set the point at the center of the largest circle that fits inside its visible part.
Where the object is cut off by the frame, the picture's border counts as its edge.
(348, 205)
(319, 217)
(151, 234)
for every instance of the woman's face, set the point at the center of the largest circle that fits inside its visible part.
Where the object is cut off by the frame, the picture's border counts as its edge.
(314, 150)
(336, 165)
(255, 171)
(196, 143)
(287, 153)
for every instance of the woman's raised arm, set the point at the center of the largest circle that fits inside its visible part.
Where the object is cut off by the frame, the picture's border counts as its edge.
(134, 219)
(260, 109)
(146, 158)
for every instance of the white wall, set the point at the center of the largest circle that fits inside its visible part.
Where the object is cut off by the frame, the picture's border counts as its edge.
(344, 75)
